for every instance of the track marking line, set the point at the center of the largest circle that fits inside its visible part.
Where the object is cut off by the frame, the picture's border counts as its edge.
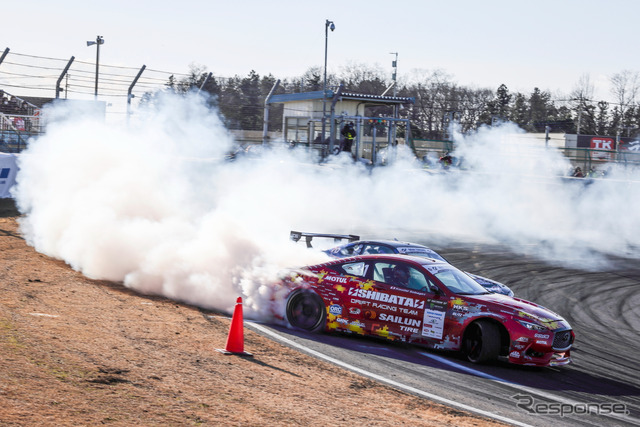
(464, 368)
(388, 381)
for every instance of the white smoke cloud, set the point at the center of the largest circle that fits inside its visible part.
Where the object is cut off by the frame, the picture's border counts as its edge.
(156, 206)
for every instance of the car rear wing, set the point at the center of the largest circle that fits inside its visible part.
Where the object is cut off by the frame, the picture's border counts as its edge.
(297, 235)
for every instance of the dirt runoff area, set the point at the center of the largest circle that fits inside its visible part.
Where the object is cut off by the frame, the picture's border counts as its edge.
(75, 352)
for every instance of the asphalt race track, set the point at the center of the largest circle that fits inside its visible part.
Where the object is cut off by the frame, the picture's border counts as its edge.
(601, 386)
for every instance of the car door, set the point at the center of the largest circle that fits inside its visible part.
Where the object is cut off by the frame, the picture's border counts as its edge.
(399, 309)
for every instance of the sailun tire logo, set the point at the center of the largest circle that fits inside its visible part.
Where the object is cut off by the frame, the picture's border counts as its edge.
(400, 320)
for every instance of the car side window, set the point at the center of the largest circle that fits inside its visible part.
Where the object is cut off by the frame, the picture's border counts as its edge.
(358, 269)
(402, 275)
(349, 250)
(376, 249)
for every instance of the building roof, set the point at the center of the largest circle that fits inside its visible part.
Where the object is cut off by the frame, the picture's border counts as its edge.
(345, 96)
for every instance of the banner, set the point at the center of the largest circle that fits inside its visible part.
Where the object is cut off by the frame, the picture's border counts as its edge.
(8, 172)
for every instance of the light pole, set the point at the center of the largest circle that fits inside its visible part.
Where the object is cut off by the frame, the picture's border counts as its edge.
(392, 125)
(98, 42)
(394, 64)
(328, 24)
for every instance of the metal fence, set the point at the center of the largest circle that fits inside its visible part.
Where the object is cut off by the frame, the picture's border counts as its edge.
(587, 159)
(598, 160)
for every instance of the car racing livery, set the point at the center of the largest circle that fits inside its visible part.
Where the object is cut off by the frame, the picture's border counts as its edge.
(426, 302)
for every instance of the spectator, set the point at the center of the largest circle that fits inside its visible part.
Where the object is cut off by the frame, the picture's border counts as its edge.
(3, 102)
(446, 161)
(12, 105)
(349, 134)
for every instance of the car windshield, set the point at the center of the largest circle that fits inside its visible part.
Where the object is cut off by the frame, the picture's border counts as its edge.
(455, 280)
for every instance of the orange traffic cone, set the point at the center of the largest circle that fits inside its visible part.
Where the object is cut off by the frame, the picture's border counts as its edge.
(235, 340)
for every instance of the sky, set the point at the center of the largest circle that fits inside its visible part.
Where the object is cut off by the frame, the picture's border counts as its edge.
(549, 44)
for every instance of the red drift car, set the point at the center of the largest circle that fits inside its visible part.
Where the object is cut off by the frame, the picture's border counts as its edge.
(426, 302)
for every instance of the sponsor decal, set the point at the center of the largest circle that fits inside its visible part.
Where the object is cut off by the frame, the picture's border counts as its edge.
(519, 346)
(436, 305)
(360, 302)
(357, 327)
(342, 321)
(336, 279)
(411, 250)
(335, 309)
(370, 314)
(354, 310)
(515, 354)
(457, 302)
(433, 323)
(543, 336)
(408, 329)
(399, 320)
(523, 339)
(384, 306)
(384, 297)
(602, 143)
(542, 342)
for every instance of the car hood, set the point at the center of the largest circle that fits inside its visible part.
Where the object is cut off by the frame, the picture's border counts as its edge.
(518, 308)
(491, 285)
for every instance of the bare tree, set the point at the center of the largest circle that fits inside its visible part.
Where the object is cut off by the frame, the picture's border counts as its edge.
(581, 100)
(625, 87)
(363, 78)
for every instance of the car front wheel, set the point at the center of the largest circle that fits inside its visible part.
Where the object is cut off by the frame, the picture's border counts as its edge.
(482, 342)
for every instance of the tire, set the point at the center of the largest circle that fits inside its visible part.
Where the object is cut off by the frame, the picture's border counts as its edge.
(306, 310)
(482, 342)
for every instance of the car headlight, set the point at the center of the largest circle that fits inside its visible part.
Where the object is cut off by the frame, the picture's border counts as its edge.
(532, 326)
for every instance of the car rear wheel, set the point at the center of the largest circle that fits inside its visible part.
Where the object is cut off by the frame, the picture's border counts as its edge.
(482, 342)
(306, 310)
